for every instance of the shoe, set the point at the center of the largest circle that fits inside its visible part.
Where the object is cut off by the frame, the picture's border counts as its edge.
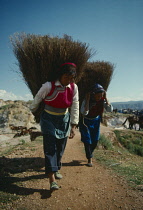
(54, 186)
(58, 175)
(89, 164)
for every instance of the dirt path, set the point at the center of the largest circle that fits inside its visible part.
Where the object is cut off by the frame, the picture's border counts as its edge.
(82, 187)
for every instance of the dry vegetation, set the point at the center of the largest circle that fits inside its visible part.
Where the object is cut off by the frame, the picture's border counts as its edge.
(95, 72)
(39, 58)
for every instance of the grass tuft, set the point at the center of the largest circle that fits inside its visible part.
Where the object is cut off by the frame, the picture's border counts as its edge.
(105, 142)
(125, 161)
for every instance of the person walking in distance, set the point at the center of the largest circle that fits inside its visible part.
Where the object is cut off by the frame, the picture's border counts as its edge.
(89, 125)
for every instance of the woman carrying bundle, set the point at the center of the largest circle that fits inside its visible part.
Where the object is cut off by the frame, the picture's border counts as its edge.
(57, 124)
(91, 109)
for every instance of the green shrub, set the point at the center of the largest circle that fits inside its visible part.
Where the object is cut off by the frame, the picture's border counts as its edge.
(4, 107)
(105, 142)
(132, 142)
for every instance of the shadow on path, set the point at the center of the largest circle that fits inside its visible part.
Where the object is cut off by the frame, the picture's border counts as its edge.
(75, 163)
(13, 185)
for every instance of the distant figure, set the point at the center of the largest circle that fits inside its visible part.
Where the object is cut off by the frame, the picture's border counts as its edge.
(92, 108)
(115, 110)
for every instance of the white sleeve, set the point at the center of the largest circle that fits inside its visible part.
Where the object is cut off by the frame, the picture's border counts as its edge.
(42, 93)
(82, 109)
(74, 109)
(108, 108)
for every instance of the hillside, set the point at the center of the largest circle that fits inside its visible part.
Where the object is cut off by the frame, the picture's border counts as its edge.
(135, 105)
(15, 113)
(18, 113)
(25, 186)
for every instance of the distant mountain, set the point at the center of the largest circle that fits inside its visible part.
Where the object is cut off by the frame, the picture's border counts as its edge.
(135, 105)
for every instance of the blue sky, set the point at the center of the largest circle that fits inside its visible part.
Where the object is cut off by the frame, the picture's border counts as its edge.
(113, 28)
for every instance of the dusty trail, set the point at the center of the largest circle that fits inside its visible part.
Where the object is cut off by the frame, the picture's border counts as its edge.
(82, 187)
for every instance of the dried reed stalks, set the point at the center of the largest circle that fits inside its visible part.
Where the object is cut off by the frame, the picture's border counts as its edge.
(39, 58)
(95, 72)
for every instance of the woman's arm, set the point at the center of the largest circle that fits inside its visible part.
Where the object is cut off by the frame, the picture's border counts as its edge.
(105, 97)
(42, 93)
(74, 109)
(85, 105)
(74, 112)
(108, 107)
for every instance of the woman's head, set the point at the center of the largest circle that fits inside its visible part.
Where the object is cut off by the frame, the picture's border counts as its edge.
(67, 73)
(97, 91)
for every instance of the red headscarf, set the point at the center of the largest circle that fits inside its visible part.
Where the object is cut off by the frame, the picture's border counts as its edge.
(72, 64)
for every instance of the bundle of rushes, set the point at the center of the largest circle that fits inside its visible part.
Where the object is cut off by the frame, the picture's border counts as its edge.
(39, 58)
(95, 72)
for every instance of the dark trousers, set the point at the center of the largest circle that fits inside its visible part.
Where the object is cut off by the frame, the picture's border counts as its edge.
(89, 148)
(53, 150)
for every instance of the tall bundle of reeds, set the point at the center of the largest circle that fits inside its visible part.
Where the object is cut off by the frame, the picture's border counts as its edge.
(39, 58)
(95, 72)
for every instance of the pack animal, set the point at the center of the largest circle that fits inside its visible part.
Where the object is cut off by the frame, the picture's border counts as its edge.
(140, 121)
(35, 134)
(23, 132)
(133, 120)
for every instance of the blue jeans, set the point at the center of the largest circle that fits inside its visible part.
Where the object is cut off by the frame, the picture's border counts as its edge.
(90, 130)
(53, 150)
(89, 149)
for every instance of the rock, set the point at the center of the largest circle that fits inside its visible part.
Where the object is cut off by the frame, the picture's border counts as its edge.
(16, 113)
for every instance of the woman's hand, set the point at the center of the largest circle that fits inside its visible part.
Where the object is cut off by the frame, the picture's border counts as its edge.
(72, 132)
(105, 97)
